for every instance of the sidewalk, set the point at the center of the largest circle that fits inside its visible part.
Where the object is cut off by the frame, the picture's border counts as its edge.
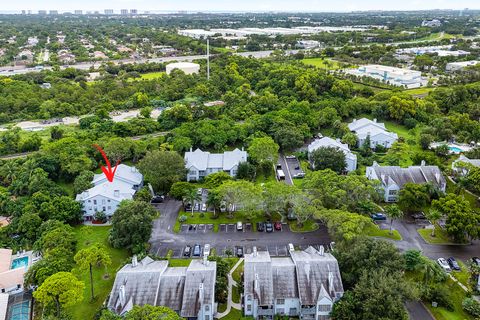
(230, 303)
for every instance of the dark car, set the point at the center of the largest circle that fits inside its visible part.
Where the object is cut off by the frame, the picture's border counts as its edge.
(453, 264)
(476, 260)
(197, 250)
(378, 216)
(260, 226)
(158, 199)
(279, 166)
(277, 225)
(188, 207)
(187, 251)
(239, 252)
(419, 216)
(269, 227)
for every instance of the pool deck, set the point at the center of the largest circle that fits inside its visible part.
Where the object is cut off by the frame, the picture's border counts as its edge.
(451, 145)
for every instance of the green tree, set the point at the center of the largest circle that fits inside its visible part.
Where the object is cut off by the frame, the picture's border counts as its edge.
(191, 196)
(28, 225)
(162, 169)
(351, 139)
(344, 224)
(90, 257)
(132, 225)
(263, 149)
(400, 108)
(60, 290)
(180, 189)
(328, 158)
(216, 179)
(148, 312)
(413, 197)
(433, 215)
(83, 182)
(394, 213)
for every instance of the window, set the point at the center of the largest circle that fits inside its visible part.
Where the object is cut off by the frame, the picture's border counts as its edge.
(249, 308)
(292, 311)
(207, 317)
(281, 310)
(109, 207)
(392, 192)
(103, 209)
(280, 301)
(94, 201)
(103, 201)
(193, 172)
(324, 308)
(89, 200)
(108, 200)
(207, 308)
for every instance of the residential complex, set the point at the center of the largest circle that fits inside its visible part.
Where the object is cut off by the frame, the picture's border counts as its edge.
(189, 291)
(394, 76)
(379, 136)
(461, 165)
(105, 196)
(393, 178)
(325, 142)
(202, 163)
(458, 66)
(304, 285)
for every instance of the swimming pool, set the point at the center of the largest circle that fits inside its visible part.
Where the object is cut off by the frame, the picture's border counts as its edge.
(19, 262)
(455, 149)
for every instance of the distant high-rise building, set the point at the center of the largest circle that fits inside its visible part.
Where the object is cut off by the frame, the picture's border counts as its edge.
(29, 11)
(108, 11)
(79, 12)
(96, 12)
(124, 12)
(53, 12)
(24, 12)
(133, 11)
(42, 12)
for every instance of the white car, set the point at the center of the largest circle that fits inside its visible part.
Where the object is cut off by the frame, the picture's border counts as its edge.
(206, 250)
(239, 226)
(204, 207)
(444, 264)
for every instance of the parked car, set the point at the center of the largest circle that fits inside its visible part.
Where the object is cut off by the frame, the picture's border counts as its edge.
(260, 226)
(239, 252)
(378, 216)
(196, 207)
(453, 264)
(444, 264)
(199, 191)
(291, 247)
(239, 226)
(269, 227)
(187, 251)
(197, 250)
(204, 207)
(206, 250)
(158, 199)
(279, 166)
(476, 260)
(419, 216)
(277, 225)
(188, 207)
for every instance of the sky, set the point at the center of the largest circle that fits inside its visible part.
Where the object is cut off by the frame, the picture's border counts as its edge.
(238, 5)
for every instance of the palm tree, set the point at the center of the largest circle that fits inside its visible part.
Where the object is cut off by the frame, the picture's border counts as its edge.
(191, 196)
(393, 212)
(433, 216)
(214, 199)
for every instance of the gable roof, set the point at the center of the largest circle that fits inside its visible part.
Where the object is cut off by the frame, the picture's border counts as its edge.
(373, 131)
(116, 190)
(356, 125)
(203, 160)
(414, 174)
(258, 276)
(125, 173)
(284, 278)
(473, 162)
(326, 142)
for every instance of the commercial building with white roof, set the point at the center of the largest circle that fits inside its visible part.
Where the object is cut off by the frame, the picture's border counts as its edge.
(202, 163)
(394, 76)
(186, 67)
(325, 142)
(457, 66)
(105, 196)
(376, 130)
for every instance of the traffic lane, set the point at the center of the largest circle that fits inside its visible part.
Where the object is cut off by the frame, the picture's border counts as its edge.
(418, 311)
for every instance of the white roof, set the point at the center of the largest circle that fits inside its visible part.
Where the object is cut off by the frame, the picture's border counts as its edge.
(115, 190)
(182, 65)
(360, 123)
(125, 173)
(329, 142)
(3, 305)
(202, 160)
(373, 131)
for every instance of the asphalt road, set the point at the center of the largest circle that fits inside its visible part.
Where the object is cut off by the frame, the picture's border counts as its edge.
(164, 239)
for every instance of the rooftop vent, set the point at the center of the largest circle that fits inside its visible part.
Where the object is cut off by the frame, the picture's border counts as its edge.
(134, 261)
(321, 251)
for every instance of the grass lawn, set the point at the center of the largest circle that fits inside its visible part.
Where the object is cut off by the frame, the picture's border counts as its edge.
(375, 231)
(234, 315)
(419, 91)
(463, 275)
(149, 76)
(235, 294)
(441, 236)
(221, 307)
(451, 188)
(308, 226)
(221, 219)
(86, 236)
(179, 262)
(237, 274)
(456, 296)
(322, 63)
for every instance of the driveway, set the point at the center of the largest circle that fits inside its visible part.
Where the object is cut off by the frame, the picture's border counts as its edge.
(164, 239)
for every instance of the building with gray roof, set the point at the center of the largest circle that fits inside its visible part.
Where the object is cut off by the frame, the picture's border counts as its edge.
(462, 164)
(377, 132)
(304, 285)
(393, 178)
(189, 291)
(202, 163)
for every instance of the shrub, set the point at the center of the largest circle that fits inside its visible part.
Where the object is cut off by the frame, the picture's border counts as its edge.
(440, 295)
(100, 216)
(182, 218)
(471, 306)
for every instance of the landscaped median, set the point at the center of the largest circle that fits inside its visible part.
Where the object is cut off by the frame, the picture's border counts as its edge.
(441, 236)
(375, 231)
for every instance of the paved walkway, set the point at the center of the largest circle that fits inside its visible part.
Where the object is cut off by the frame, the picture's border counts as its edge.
(231, 283)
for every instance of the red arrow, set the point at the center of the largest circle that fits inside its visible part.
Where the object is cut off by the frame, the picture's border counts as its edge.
(109, 173)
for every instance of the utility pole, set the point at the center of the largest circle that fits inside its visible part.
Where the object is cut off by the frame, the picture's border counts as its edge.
(208, 59)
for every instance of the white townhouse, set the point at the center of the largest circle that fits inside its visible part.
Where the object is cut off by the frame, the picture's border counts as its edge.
(105, 196)
(202, 163)
(393, 178)
(462, 169)
(304, 285)
(189, 291)
(325, 142)
(376, 130)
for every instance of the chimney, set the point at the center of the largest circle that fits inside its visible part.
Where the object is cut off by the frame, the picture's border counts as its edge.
(321, 251)
(191, 149)
(375, 120)
(254, 251)
(121, 295)
(422, 163)
(134, 261)
(330, 282)
(116, 193)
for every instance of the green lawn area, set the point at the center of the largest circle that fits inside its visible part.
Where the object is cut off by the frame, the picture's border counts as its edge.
(456, 296)
(149, 76)
(235, 315)
(102, 279)
(222, 218)
(221, 307)
(322, 63)
(441, 236)
(463, 276)
(468, 196)
(375, 231)
(179, 262)
(419, 91)
(308, 226)
(237, 274)
(235, 294)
